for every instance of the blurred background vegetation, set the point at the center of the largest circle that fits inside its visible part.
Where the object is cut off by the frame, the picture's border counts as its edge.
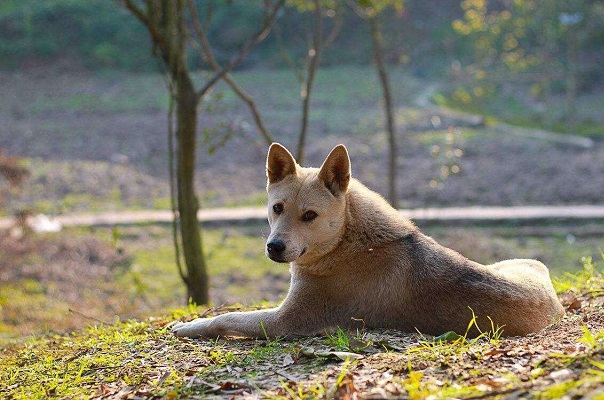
(551, 47)
(426, 37)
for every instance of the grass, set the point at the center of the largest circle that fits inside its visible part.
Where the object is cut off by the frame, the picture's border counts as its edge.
(235, 262)
(119, 93)
(512, 109)
(587, 280)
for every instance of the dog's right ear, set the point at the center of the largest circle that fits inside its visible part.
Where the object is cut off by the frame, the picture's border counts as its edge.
(279, 163)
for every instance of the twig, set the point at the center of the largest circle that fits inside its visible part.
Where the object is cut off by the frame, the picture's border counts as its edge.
(335, 31)
(145, 18)
(286, 56)
(71, 310)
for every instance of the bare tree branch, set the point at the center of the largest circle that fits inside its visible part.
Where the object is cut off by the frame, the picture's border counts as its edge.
(208, 16)
(286, 56)
(360, 11)
(147, 19)
(208, 55)
(245, 50)
(171, 165)
(335, 31)
(137, 12)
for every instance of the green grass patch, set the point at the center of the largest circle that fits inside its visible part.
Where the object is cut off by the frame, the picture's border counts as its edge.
(589, 280)
(511, 109)
(114, 93)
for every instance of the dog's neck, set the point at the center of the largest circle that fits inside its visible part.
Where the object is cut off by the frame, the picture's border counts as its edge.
(371, 220)
(370, 223)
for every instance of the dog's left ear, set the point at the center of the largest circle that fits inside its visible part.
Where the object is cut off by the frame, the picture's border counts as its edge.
(335, 171)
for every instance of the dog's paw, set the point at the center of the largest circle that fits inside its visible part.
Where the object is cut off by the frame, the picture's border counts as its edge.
(193, 329)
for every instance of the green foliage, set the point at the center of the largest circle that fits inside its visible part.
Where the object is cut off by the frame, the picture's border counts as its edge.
(588, 280)
(342, 340)
(529, 36)
(97, 32)
(373, 8)
(520, 34)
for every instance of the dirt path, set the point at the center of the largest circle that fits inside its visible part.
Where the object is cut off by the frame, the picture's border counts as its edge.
(256, 214)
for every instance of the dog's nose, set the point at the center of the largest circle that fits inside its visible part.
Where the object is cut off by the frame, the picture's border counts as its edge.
(275, 247)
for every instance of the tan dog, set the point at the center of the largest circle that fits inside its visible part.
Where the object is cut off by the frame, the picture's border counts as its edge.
(356, 261)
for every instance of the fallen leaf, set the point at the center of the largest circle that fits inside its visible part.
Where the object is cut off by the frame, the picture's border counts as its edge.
(287, 360)
(342, 355)
(575, 305)
(229, 386)
(493, 383)
(560, 375)
(345, 388)
(163, 378)
(494, 352)
(308, 352)
(447, 337)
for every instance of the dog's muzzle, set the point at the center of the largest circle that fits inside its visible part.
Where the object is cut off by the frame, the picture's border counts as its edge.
(275, 250)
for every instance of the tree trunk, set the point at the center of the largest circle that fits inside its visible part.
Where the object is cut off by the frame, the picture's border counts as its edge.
(167, 25)
(571, 81)
(376, 36)
(186, 135)
(307, 85)
(186, 98)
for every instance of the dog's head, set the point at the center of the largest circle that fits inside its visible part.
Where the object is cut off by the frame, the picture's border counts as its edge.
(306, 206)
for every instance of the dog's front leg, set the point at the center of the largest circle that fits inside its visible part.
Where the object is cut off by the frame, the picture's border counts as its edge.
(255, 324)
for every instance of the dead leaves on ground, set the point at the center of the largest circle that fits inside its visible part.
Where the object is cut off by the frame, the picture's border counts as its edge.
(565, 357)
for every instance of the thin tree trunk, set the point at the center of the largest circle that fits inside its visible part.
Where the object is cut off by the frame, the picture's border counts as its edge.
(376, 36)
(167, 25)
(186, 129)
(307, 85)
(187, 98)
(571, 81)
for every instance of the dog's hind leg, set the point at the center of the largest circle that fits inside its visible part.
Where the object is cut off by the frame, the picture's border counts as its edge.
(522, 267)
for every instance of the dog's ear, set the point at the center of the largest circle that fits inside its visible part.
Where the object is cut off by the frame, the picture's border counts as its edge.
(279, 163)
(335, 171)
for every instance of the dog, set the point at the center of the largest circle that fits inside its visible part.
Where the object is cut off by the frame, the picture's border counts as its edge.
(355, 260)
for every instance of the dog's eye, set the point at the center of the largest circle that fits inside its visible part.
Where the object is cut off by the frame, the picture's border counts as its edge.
(278, 208)
(309, 216)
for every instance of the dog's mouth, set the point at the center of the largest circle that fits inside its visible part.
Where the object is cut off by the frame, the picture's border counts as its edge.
(280, 258)
(277, 258)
